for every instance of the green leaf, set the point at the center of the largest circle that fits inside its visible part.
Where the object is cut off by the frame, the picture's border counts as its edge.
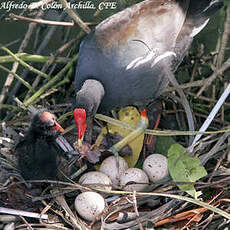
(184, 168)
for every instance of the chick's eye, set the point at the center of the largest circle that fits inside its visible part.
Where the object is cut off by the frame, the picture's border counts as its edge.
(50, 124)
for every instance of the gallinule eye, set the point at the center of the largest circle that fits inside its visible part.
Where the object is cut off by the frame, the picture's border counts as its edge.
(38, 149)
(127, 59)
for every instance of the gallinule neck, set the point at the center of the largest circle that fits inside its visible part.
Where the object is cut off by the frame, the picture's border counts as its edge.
(126, 60)
(38, 150)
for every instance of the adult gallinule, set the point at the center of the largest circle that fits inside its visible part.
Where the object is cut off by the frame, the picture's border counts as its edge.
(38, 149)
(129, 57)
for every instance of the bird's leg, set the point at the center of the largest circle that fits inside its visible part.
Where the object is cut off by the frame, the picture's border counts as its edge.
(154, 114)
(150, 139)
(140, 128)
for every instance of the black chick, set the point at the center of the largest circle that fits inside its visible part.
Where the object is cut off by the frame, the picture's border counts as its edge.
(38, 150)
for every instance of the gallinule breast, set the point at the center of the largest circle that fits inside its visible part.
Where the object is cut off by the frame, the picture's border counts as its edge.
(126, 60)
(38, 149)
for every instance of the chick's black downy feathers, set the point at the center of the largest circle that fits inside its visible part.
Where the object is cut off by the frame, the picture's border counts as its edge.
(38, 150)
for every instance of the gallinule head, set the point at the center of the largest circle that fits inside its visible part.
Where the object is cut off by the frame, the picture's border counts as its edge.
(38, 151)
(127, 58)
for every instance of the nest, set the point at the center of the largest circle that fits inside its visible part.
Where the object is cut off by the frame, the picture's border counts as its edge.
(47, 82)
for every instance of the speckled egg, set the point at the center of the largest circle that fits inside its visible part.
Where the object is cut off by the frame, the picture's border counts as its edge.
(132, 176)
(89, 205)
(156, 167)
(109, 167)
(95, 177)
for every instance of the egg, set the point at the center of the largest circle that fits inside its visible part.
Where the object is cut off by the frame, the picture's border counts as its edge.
(109, 167)
(132, 176)
(89, 205)
(95, 177)
(156, 167)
